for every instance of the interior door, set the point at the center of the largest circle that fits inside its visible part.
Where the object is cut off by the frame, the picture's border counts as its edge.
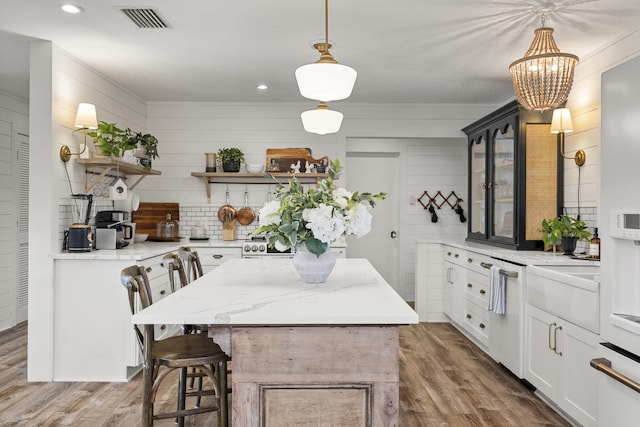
(375, 173)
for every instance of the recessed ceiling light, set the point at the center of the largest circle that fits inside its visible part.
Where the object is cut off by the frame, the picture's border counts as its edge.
(262, 86)
(71, 8)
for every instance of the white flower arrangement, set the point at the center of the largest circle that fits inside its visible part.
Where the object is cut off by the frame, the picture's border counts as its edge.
(316, 217)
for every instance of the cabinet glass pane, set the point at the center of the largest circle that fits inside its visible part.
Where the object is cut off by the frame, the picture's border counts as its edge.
(478, 185)
(503, 184)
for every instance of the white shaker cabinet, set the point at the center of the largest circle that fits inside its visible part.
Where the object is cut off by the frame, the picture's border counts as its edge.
(454, 278)
(558, 364)
(212, 257)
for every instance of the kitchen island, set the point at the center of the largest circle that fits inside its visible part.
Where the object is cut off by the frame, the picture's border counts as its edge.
(303, 354)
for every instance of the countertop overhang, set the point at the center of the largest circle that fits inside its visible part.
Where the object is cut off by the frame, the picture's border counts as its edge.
(268, 292)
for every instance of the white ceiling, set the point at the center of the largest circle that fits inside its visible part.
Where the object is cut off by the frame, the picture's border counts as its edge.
(422, 51)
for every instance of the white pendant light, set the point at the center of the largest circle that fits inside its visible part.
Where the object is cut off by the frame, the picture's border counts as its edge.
(321, 120)
(325, 80)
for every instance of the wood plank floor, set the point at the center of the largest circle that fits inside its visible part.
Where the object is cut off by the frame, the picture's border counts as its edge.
(444, 381)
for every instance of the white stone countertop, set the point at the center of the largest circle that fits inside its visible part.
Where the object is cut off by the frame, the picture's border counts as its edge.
(520, 257)
(139, 251)
(270, 292)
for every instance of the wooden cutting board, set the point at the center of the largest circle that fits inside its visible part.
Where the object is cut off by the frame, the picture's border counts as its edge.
(149, 213)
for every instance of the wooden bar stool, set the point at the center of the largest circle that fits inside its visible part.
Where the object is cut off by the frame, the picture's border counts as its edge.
(192, 262)
(178, 352)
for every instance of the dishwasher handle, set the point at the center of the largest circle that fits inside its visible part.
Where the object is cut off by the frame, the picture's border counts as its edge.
(604, 365)
(488, 265)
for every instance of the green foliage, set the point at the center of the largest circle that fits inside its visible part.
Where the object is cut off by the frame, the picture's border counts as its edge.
(111, 140)
(231, 155)
(148, 141)
(293, 229)
(553, 230)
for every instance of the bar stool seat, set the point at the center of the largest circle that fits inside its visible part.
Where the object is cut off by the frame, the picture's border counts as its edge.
(176, 352)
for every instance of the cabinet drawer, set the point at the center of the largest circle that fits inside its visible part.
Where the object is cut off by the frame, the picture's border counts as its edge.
(477, 288)
(478, 263)
(153, 267)
(213, 257)
(476, 320)
(454, 255)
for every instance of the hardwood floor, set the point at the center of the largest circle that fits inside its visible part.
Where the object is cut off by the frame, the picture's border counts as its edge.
(444, 381)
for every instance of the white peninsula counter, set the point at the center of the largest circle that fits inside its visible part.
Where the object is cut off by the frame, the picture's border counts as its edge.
(302, 353)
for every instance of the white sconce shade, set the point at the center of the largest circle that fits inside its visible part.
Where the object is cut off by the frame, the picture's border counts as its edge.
(326, 81)
(321, 120)
(86, 117)
(561, 121)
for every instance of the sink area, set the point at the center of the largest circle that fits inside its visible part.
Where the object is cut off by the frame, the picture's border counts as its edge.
(585, 276)
(571, 292)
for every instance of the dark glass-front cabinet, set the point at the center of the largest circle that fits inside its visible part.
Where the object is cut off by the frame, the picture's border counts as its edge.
(515, 177)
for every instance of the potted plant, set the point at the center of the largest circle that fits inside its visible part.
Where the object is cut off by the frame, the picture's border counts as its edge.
(307, 221)
(564, 229)
(231, 159)
(147, 143)
(110, 140)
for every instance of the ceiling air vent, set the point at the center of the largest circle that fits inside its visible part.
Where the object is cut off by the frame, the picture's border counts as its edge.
(145, 17)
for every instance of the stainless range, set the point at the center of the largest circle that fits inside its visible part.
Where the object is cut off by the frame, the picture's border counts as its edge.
(256, 247)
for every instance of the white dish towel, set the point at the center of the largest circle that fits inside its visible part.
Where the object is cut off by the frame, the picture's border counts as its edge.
(497, 291)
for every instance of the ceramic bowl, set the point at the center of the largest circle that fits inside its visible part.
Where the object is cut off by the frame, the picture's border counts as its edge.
(253, 167)
(139, 238)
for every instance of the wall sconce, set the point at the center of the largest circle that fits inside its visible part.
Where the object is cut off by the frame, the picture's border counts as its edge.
(561, 124)
(85, 119)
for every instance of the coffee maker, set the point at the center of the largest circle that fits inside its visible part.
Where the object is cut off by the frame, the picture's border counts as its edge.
(79, 238)
(112, 230)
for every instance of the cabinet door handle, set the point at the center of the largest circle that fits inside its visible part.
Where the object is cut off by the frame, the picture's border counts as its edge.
(456, 255)
(482, 292)
(163, 327)
(468, 316)
(148, 269)
(482, 326)
(448, 253)
(162, 292)
(555, 340)
(217, 256)
(469, 260)
(551, 326)
(469, 285)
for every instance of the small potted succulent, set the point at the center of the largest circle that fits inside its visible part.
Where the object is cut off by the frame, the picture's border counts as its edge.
(110, 140)
(147, 143)
(231, 159)
(564, 229)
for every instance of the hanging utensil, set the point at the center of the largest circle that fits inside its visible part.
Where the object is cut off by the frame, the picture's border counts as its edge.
(226, 208)
(246, 215)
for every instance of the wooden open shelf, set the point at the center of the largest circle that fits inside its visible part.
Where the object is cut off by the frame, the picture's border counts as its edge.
(110, 166)
(253, 178)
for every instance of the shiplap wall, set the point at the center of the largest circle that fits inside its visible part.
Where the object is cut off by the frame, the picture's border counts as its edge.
(429, 135)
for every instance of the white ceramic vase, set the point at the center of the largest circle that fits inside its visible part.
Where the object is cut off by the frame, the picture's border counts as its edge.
(313, 268)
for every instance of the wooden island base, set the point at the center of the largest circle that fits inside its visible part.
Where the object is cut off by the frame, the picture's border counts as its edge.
(315, 375)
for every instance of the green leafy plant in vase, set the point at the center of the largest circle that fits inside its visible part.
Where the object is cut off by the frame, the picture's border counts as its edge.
(148, 143)
(564, 229)
(110, 140)
(231, 159)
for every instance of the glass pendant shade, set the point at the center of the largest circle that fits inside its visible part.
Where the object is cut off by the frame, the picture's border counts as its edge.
(86, 116)
(321, 120)
(542, 79)
(326, 81)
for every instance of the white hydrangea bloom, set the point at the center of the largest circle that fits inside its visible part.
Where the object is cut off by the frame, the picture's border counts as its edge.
(341, 197)
(269, 213)
(280, 247)
(358, 220)
(325, 223)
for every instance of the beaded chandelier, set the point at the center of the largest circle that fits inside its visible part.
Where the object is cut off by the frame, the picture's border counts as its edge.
(542, 79)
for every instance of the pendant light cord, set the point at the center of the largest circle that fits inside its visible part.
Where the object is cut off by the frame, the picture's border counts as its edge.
(578, 217)
(326, 24)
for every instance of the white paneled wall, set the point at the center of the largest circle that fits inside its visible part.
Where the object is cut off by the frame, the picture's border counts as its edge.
(433, 146)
